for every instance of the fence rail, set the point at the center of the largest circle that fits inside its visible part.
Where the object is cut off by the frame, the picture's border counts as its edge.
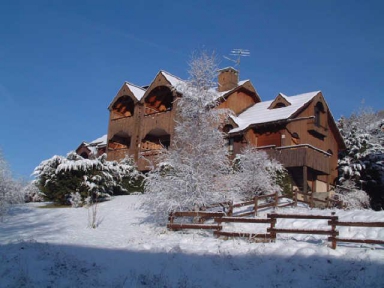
(335, 239)
(198, 216)
(219, 218)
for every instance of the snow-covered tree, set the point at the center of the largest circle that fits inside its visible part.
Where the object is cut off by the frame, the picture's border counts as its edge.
(255, 173)
(59, 177)
(363, 160)
(11, 190)
(196, 171)
(191, 171)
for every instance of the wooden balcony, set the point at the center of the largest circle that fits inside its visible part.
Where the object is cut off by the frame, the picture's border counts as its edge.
(117, 154)
(299, 156)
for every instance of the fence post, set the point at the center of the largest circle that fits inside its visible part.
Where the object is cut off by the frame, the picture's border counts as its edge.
(273, 223)
(170, 219)
(333, 229)
(295, 198)
(311, 203)
(230, 208)
(256, 199)
(276, 199)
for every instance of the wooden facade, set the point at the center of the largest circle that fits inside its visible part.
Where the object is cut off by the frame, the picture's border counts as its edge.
(306, 141)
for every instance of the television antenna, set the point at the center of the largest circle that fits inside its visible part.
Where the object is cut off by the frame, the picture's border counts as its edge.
(238, 53)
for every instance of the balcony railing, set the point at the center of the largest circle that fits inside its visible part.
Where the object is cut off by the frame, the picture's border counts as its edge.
(147, 159)
(300, 155)
(117, 154)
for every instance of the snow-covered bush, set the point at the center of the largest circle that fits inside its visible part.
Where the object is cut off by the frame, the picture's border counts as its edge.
(32, 193)
(60, 176)
(76, 200)
(255, 173)
(196, 161)
(352, 197)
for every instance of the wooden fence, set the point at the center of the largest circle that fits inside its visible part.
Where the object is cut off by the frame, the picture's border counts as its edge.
(334, 239)
(199, 218)
(272, 231)
(311, 201)
(259, 202)
(256, 205)
(263, 236)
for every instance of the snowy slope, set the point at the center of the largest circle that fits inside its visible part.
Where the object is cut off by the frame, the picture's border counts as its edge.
(53, 247)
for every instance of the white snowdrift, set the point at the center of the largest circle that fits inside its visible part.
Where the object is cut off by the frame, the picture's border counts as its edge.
(53, 247)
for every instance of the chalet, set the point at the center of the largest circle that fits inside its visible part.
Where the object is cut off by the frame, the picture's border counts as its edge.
(299, 130)
(93, 149)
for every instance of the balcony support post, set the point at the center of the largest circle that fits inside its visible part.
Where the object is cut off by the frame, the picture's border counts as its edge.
(305, 179)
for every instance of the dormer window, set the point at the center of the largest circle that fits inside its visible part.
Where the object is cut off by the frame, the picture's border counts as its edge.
(279, 102)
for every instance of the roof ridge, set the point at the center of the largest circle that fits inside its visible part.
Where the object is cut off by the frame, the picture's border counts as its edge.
(170, 74)
(137, 86)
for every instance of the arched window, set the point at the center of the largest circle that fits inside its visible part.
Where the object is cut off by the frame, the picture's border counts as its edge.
(159, 100)
(156, 139)
(120, 140)
(123, 107)
(227, 128)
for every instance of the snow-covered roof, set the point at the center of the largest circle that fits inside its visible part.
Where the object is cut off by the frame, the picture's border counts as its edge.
(100, 141)
(259, 113)
(137, 91)
(173, 80)
(223, 93)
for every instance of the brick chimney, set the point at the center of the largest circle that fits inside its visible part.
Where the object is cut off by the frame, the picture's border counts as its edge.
(228, 79)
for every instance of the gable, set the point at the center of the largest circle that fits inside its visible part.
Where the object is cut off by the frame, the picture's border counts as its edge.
(162, 78)
(134, 92)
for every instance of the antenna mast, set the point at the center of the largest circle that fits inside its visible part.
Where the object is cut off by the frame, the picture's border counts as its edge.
(238, 53)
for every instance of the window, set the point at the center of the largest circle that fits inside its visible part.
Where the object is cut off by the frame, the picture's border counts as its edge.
(120, 140)
(227, 128)
(295, 140)
(319, 108)
(280, 105)
(158, 101)
(84, 155)
(230, 146)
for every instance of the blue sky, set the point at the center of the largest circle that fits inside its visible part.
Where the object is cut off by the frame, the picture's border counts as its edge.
(62, 62)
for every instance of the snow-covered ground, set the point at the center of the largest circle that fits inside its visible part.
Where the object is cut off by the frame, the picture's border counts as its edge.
(52, 247)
